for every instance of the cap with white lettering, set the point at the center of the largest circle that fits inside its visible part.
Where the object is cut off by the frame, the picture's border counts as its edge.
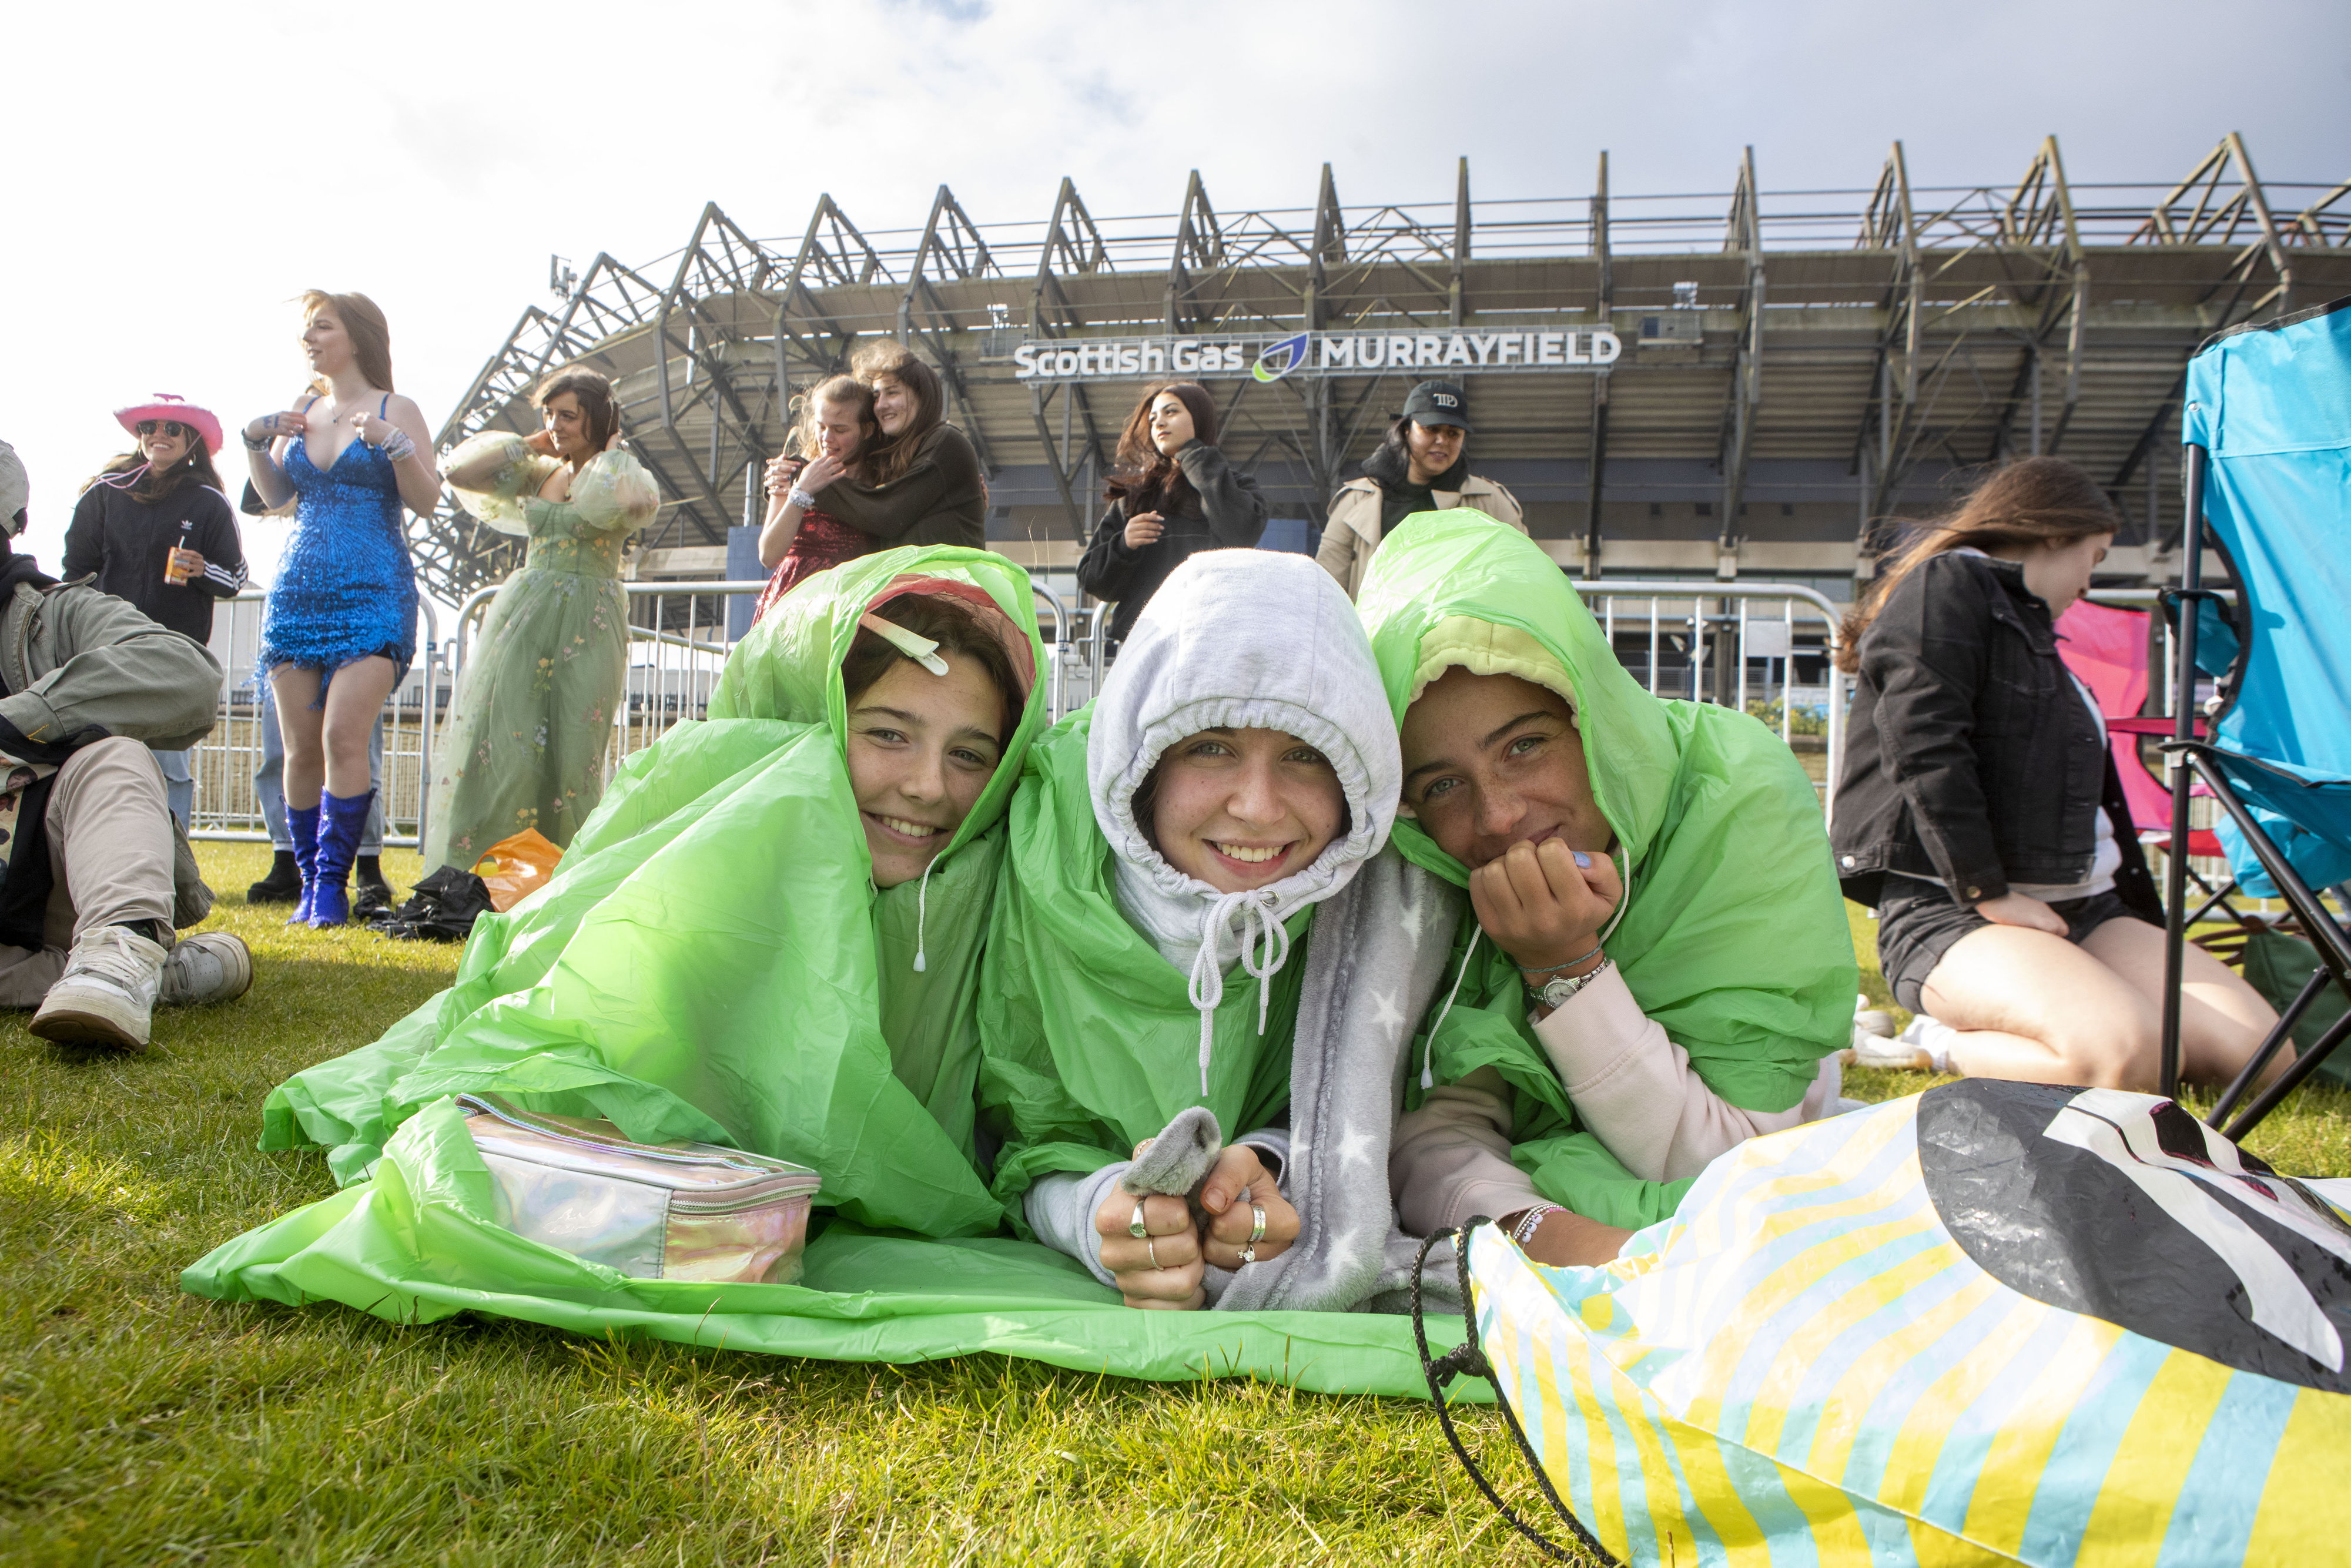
(1439, 403)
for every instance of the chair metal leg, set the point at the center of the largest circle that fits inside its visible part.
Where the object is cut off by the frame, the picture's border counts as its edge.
(2218, 901)
(2289, 1080)
(2333, 944)
(2260, 1060)
(2183, 732)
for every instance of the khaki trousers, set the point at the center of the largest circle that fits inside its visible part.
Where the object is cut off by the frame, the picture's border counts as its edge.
(109, 830)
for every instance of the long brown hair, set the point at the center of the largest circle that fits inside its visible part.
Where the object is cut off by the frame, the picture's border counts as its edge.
(594, 390)
(889, 461)
(1141, 476)
(2033, 500)
(806, 437)
(364, 324)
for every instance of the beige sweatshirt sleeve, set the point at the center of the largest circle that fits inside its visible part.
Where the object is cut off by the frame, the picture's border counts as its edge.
(1633, 1087)
(1451, 1158)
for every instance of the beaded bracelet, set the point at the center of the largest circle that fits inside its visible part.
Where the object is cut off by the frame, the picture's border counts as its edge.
(1570, 964)
(399, 447)
(260, 446)
(1531, 1221)
(800, 498)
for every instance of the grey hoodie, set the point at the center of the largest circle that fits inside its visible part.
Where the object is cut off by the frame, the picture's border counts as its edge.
(1254, 639)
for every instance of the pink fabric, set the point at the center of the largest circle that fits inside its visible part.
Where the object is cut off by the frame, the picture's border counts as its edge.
(2107, 649)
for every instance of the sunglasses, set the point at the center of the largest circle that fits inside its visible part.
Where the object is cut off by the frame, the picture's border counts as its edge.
(171, 427)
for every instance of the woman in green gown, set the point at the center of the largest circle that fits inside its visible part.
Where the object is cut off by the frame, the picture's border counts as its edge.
(533, 715)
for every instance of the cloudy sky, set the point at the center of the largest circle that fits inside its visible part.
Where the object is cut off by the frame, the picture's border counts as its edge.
(178, 175)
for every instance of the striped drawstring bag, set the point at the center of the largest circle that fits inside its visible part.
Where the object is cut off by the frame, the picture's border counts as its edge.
(1994, 1322)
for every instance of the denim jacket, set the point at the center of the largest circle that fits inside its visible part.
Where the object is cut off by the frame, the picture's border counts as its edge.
(1969, 756)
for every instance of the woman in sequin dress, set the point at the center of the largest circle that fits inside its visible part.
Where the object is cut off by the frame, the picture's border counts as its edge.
(340, 627)
(533, 710)
(800, 538)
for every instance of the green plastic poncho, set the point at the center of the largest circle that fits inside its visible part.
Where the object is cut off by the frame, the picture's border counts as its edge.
(720, 889)
(1091, 1035)
(711, 960)
(1093, 1030)
(1733, 937)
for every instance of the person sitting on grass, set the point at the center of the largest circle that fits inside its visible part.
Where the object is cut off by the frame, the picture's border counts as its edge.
(768, 934)
(1191, 1027)
(95, 875)
(1657, 964)
(1981, 812)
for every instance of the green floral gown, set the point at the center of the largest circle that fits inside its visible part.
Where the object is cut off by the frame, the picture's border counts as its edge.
(533, 714)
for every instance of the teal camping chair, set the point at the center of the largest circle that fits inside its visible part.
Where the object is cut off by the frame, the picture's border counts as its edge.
(2267, 427)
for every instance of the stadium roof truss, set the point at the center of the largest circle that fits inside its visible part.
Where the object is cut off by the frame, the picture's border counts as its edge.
(1795, 344)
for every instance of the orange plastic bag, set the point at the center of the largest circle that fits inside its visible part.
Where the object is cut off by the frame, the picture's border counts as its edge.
(515, 868)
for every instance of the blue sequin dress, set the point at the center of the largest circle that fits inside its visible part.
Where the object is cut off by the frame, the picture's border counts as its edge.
(346, 588)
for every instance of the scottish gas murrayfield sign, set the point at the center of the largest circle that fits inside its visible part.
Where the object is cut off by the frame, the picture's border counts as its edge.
(1314, 354)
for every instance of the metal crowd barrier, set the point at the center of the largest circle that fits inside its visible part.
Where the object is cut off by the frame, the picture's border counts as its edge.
(1765, 638)
(678, 644)
(1631, 605)
(227, 802)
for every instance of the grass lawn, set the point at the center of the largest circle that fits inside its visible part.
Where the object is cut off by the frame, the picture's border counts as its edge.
(139, 1425)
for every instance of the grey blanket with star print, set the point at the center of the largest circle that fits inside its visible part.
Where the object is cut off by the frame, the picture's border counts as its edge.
(1374, 957)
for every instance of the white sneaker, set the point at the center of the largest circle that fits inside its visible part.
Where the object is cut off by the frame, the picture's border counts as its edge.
(107, 993)
(210, 966)
(1870, 1049)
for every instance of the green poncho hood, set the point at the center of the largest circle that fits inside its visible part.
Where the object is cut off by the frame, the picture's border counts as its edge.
(711, 960)
(1733, 935)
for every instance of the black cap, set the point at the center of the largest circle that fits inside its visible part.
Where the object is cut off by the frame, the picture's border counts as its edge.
(1439, 403)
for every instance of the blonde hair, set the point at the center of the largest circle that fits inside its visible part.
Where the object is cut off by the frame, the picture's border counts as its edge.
(363, 323)
(2033, 500)
(806, 437)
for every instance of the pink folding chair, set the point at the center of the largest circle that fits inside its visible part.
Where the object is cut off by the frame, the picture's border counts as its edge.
(2107, 649)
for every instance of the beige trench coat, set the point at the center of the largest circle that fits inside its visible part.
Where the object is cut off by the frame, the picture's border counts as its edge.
(1352, 537)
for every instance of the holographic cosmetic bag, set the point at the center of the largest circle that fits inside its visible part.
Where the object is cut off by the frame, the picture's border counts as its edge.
(654, 1211)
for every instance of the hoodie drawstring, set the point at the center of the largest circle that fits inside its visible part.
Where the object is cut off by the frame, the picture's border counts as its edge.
(1625, 899)
(1265, 947)
(922, 913)
(1428, 1047)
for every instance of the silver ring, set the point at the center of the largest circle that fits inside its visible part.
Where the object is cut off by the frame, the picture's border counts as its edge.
(1256, 1231)
(1134, 1225)
(1248, 1255)
(1150, 1247)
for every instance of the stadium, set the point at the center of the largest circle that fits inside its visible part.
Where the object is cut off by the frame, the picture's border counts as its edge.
(1750, 384)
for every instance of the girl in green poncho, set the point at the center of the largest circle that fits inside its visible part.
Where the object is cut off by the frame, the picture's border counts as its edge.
(769, 934)
(1659, 964)
(1149, 949)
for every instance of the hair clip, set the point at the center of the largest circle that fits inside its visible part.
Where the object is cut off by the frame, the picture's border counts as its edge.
(914, 644)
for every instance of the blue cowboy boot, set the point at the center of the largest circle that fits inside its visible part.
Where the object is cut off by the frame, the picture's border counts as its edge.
(341, 820)
(303, 826)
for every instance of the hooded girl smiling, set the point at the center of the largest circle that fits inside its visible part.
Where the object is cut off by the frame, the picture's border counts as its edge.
(1658, 960)
(768, 933)
(1170, 847)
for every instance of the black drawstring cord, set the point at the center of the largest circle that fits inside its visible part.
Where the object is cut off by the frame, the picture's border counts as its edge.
(1466, 1360)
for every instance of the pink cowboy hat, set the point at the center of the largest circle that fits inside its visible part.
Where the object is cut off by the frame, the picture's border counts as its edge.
(164, 405)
